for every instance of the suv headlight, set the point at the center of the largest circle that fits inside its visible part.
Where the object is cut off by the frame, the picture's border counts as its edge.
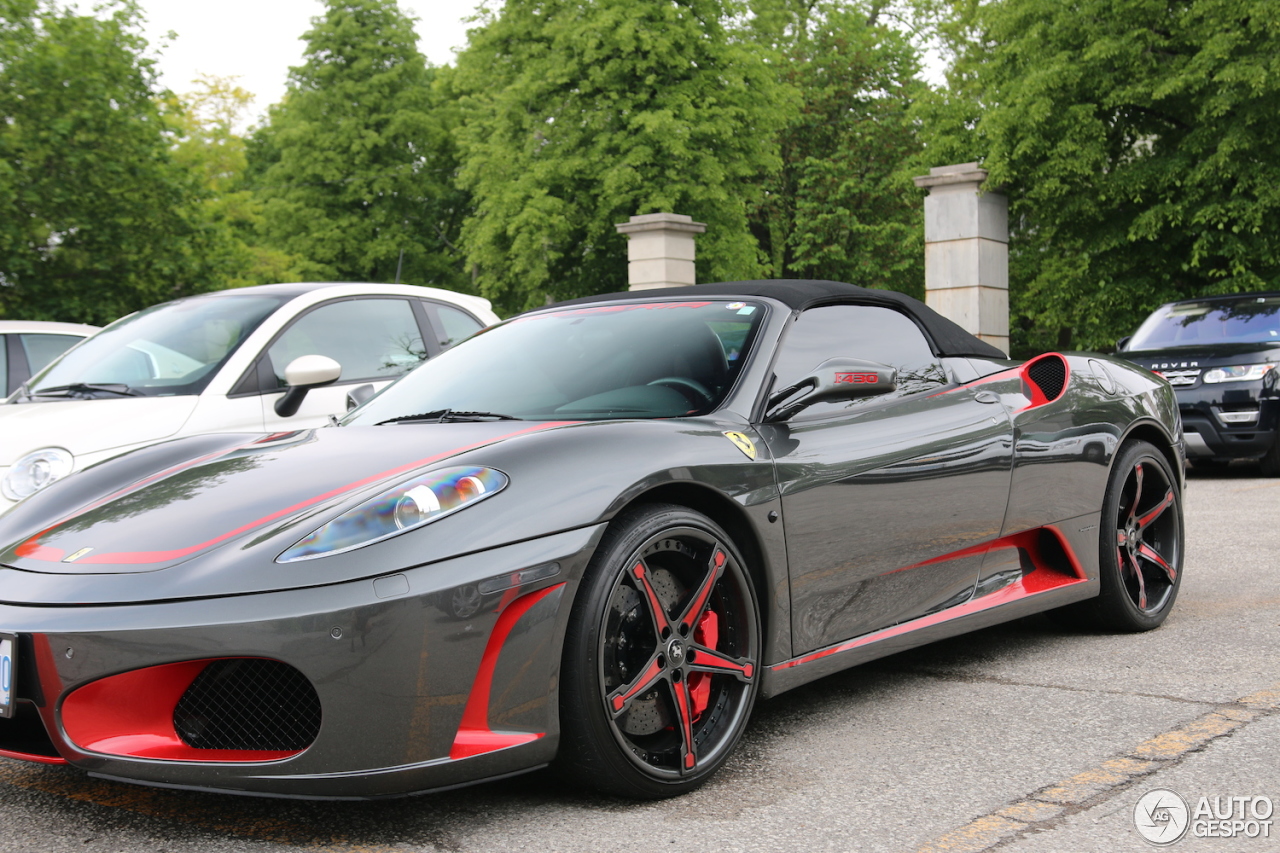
(411, 504)
(1236, 373)
(36, 470)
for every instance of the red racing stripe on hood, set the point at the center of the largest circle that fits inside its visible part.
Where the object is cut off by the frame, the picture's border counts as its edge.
(31, 549)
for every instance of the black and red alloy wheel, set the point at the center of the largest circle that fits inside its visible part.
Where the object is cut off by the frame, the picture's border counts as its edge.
(1148, 536)
(1140, 550)
(669, 628)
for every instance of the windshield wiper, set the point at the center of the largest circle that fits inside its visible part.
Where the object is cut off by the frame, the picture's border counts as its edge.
(443, 415)
(86, 390)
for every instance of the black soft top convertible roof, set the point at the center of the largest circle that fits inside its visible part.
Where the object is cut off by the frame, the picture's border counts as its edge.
(947, 338)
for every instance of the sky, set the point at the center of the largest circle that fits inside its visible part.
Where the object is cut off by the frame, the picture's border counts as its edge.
(257, 40)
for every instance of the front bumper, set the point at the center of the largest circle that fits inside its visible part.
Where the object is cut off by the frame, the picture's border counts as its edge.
(1228, 429)
(426, 678)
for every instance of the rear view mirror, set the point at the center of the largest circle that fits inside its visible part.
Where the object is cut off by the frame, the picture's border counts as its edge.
(304, 373)
(834, 380)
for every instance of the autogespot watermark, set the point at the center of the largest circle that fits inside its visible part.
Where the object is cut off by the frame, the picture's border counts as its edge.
(1163, 817)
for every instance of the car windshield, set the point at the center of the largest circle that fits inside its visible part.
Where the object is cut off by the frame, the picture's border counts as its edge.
(169, 349)
(625, 360)
(1190, 324)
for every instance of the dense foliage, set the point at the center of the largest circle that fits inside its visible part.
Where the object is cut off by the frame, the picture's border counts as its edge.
(354, 170)
(578, 115)
(1134, 139)
(842, 206)
(1137, 142)
(781, 124)
(96, 218)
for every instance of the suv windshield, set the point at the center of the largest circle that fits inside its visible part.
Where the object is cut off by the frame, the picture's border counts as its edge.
(169, 349)
(1190, 324)
(626, 360)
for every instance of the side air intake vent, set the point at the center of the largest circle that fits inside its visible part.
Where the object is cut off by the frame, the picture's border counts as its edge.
(1048, 374)
(248, 704)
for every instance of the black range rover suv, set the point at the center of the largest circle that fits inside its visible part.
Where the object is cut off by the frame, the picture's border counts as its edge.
(1222, 357)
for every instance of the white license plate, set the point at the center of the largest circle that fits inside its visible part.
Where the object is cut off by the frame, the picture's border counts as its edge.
(8, 672)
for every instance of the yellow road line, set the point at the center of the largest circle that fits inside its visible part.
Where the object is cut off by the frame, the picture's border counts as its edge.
(1037, 809)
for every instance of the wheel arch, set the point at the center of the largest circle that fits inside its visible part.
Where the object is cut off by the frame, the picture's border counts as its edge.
(1158, 438)
(735, 522)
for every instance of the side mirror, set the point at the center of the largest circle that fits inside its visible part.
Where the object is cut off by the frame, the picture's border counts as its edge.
(834, 380)
(1122, 343)
(304, 373)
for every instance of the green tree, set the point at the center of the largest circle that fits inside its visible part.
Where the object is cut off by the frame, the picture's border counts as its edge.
(354, 166)
(579, 115)
(209, 147)
(1136, 140)
(842, 206)
(96, 219)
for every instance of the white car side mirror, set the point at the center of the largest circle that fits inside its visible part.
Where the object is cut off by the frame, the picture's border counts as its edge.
(304, 373)
(312, 370)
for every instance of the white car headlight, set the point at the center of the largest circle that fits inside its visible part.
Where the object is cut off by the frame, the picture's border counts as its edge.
(410, 504)
(36, 470)
(1236, 373)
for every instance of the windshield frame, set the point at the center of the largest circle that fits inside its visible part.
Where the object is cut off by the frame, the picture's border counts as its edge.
(370, 413)
(49, 378)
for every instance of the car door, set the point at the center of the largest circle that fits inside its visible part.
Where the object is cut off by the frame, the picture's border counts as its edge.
(880, 494)
(374, 339)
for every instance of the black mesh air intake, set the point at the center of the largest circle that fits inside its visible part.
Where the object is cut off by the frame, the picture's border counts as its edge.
(1049, 374)
(248, 704)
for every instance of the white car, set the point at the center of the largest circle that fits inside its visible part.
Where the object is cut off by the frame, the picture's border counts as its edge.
(253, 359)
(27, 347)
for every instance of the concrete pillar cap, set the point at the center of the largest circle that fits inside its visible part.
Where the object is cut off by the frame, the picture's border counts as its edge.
(661, 222)
(961, 173)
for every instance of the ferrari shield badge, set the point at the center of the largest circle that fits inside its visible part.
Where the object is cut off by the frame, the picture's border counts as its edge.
(742, 443)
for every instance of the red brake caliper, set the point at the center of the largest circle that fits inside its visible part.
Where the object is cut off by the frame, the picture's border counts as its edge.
(706, 633)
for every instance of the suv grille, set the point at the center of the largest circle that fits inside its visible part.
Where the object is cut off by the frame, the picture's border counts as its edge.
(1179, 377)
(248, 704)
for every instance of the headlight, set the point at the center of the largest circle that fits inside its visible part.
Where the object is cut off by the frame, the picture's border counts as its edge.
(36, 470)
(1238, 373)
(411, 504)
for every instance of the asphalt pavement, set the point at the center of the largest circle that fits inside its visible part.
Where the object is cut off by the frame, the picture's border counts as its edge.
(1025, 737)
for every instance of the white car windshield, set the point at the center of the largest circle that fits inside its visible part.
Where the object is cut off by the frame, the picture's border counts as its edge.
(625, 360)
(170, 349)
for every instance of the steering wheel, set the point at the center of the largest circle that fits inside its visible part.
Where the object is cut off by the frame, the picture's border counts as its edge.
(694, 390)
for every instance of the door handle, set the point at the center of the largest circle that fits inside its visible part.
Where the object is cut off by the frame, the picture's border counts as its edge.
(986, 397)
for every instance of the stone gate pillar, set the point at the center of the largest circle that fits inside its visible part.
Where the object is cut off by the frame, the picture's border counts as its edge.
(660, 250)
(966, 251)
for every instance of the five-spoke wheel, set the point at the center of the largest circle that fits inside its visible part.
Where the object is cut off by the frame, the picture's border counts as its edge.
(661, 659)
(1140, 555)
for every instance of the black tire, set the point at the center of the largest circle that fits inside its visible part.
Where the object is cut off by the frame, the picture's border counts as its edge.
(1140, 544)
(1271, 462)
(661, 657)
